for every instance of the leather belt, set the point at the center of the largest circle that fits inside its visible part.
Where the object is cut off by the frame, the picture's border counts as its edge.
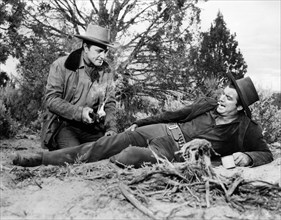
(177, 134)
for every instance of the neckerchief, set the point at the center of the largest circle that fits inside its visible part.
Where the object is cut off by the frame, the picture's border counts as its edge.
(92, 71)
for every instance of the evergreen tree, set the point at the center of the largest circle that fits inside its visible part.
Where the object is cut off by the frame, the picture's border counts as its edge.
(12, 42)
(153, 36)
(276, 99)
(218, 54)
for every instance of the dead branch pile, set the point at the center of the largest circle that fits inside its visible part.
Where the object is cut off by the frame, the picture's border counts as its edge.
(194, 183)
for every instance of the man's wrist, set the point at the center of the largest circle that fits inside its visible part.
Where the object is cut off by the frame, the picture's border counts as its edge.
(250, 160)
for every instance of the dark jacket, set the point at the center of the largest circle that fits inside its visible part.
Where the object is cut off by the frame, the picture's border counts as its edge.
(248, 139)
(61, 86)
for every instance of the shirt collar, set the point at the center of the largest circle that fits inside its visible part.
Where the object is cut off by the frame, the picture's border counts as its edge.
(215, 114)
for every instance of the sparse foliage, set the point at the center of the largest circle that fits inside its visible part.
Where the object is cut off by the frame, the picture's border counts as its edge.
(26, 100)
(277, 99)
(8, 126)
(218, 54)
(269, 117)
(154, 37)
(12, 41)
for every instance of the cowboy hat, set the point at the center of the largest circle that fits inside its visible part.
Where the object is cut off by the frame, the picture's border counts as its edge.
(246, 92)
(97, 34)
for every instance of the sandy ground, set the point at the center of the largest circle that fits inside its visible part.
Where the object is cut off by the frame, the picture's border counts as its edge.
(71, 193)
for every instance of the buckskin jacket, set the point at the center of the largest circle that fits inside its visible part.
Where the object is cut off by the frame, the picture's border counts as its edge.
(247, 138)
(62, 83)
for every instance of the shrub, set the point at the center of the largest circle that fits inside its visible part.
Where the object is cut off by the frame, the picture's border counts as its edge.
(124, 120)
(140, 107)
(8, 127)
(268, 116)
(172, 103)
(36, 125)
(22, 105)
(147, 106)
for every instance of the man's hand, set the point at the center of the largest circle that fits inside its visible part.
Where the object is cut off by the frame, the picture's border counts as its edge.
(110, 133)
(132, 127)
(86, 115)
(241, 159)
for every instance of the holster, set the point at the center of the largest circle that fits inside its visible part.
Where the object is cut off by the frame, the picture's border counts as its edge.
(177, 134)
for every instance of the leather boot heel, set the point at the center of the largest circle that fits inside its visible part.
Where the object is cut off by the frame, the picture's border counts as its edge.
(28, 161)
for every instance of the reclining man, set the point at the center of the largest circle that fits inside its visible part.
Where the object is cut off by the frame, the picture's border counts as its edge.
(226, 123)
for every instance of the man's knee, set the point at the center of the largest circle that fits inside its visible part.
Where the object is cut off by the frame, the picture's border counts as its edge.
(126, 156)
(134, 156)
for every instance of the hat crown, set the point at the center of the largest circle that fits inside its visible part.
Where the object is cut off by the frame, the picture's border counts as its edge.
(97, 34)
(248, 90)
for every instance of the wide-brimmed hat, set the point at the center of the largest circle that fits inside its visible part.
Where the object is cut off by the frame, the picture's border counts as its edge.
(246, 92)
(97, 34)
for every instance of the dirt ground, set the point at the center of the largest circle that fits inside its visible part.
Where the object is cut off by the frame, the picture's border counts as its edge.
(93, 191)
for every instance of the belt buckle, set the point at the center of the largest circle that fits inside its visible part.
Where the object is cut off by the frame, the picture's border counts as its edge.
(171, 127)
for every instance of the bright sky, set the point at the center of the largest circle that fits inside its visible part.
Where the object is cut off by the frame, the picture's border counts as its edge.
(257, 27)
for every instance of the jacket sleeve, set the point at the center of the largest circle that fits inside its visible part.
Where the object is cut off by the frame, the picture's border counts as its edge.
(178, 116)
(165, 117)
(54, 96)
(255, 145)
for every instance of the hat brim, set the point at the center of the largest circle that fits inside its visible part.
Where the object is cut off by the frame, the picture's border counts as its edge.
(245, 106)
(95, 40)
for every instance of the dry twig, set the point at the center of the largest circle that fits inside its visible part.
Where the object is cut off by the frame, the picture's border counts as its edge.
(126, 192)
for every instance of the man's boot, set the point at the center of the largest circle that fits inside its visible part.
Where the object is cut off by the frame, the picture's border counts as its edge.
(28, 161)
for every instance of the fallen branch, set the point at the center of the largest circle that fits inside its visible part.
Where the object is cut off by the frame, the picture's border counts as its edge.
(220, 183)
(196, 197)
(234, 186)
(126, 192)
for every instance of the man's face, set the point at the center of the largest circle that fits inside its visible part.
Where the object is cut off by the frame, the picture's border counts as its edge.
(94, 55)
(227, 104)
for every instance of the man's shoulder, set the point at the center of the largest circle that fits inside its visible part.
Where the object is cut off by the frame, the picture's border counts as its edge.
(244, 117)
(60, 61)
(249, 123)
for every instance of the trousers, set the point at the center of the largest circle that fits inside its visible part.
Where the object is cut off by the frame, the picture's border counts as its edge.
(74, 135)
(128, 148)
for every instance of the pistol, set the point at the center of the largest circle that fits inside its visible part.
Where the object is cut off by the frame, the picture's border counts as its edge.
(93, 116)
